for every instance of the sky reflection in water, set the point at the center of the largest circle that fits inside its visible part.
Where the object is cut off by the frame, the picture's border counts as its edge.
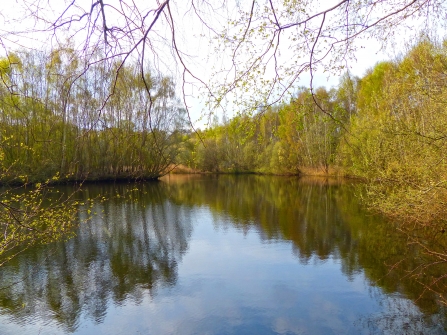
(226, 255)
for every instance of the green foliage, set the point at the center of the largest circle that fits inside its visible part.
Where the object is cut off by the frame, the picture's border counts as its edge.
(36, 214)
(58, 124)
(388, 128)
(399, 135)
(53, 120)
(278, 140)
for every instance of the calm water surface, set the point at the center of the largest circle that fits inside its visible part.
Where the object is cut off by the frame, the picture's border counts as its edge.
(221, 255)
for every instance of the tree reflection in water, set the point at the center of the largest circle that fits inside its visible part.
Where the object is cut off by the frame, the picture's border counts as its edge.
(323, 218)
(132, 248)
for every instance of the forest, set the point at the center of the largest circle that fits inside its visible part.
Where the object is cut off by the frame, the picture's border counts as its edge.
(53, 125)
(387, 128)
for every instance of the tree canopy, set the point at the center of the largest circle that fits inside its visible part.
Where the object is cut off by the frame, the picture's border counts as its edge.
(251, 52)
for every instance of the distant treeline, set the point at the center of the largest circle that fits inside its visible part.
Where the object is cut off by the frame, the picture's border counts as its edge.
(388, 128)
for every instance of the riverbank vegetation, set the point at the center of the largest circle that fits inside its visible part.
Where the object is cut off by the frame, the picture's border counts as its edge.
(60, 123)
(57, 119)
(387, 128)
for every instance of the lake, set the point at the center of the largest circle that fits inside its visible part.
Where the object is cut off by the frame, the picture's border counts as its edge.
(224, 255)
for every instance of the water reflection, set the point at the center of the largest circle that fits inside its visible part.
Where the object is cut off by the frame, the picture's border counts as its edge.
(131, 247)
(324, 219)
(132, 252)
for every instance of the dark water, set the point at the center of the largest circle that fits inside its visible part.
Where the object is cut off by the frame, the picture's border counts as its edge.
(223, 255)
